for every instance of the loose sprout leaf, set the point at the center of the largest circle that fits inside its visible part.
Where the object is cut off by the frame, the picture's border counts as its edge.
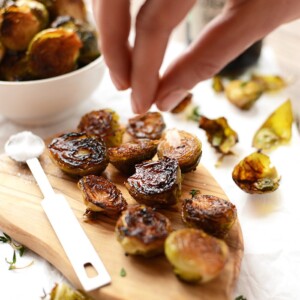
(182, 106)
(270, 83)
(219, 134)
(255, 174)
(276, 130)
(217, 84)
(63, 291)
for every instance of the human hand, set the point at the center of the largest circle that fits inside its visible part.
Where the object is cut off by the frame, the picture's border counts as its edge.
(241, 23)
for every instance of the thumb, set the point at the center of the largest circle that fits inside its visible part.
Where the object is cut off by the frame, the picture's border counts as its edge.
(223, 39)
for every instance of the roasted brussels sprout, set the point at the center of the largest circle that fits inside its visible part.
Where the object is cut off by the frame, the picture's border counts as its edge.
(21, 21)
(146, 126)
(219, 134)
(185, 147)
(142, 231)
(212, 214)
(53, 52)
(276, 130)
(62, 291)
(270, 83)
(103, 123)
(243, 94)
(127, 155)
(183, 104)
(195, 255)
(78, 154)
(156, 183)
(101, 196)
(256, 175)
(2, 50)
(87, 34)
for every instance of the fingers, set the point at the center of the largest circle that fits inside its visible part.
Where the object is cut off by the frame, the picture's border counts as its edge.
(154, 24)
(220, 42)
(113, 22)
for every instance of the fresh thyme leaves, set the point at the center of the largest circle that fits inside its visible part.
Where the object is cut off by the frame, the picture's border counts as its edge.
(194, 114)
(194, 192)
(241, 297)
(123, 272)
(6, 239)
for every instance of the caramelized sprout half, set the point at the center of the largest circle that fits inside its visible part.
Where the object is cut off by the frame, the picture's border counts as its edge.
(142, 231)
(195, 255)
(185, 147)
(256, 175)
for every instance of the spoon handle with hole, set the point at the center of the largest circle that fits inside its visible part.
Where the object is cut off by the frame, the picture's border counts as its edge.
(73, 239)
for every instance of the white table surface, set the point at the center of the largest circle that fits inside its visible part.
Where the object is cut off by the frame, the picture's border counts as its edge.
(271, 264)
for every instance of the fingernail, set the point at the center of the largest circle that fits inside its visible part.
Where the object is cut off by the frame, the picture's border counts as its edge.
(172, 99)
(118, 82)
(134, 104)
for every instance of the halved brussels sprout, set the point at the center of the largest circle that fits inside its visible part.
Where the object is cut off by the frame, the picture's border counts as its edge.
(21, 21)
(78, 154)
(53, 52)
(87, 35)
(127, 155)
(101, 196)
(276, 130)
(212, 214)
(103, 123)
(185, 147)
(256, 175)
(183, 104)
(243, 94)
(62, 291)
(219, 134)
(142, 231)
(156, 183)
(195, 255)
(270, 83)
(146, 126)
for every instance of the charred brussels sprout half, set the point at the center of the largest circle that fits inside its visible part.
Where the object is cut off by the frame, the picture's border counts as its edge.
(87, 35)
(21, 21)
(53, 52)
(256, 175)
(146, 126)
(219, 134)
(142, 231)
(156, 183)
(212, 214)
(62, 291)
(195, 255)
(127, 155)
(101, 196)
(185, 147)
(2, 50)
(78, 154)
(243, 94)
(103, 123)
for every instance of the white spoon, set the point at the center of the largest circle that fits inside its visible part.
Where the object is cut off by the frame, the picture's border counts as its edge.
(27, 147)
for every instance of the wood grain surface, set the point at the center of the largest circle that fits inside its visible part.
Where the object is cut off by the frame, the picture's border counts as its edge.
(22, 217)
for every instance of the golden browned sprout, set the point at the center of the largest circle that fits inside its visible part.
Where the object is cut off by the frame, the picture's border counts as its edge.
(243, 94)
(270, 83)
(195, 255)
(53, 52)
(127, 155)
(21, 21)
(256, 175)
(185, 147)
(142, 231)
(2, 51)
(103, 123)
(146, 126)
(101, 196)
(156, 183)
(217, 84)
(219, 134)
(78, 154)
(62, 291)
(87, 34)
(212, 214)
(276, 130)
(183, 104)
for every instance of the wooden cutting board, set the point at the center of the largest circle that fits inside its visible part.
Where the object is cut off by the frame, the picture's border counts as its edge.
(22, 217)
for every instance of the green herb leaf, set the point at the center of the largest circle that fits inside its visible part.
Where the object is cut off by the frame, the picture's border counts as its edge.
(123, 272)
(241, 297)
(193, 192)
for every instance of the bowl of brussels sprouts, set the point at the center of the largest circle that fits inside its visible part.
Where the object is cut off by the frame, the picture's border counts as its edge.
(49, 59)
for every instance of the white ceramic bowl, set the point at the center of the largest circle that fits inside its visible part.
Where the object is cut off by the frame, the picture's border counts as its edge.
(45, 101)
